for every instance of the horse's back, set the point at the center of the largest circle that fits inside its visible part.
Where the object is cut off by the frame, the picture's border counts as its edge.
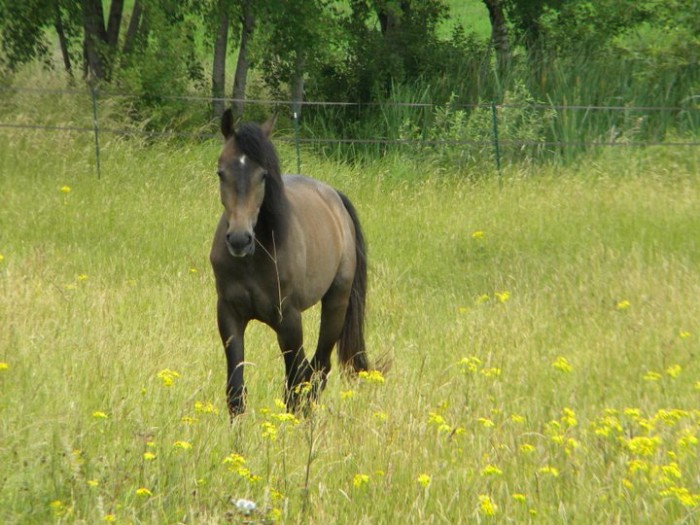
(325, 232)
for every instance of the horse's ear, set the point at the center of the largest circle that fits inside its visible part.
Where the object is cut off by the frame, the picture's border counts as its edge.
(268, 125)
(227, 123)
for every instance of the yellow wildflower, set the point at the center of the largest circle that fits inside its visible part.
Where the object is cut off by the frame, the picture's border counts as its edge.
(569, 418)
(274, 515)
(561, 364)
(633, 412)
(491, 470)
(168, 377)
(503, 296)
(470, 364)
(486, 505)
(550, 471)
(527, 448)
(478, 234)
(109, 518)
(683, 334)
(93, 483)
(149, 456)
(652, 376)
(303, 388)
(65, 189)
(359, 480)
(234, 461)
(286, 417)
(371, 376)
(519, 497)
(144, 492)
(183, 445)
(4, 366)
(99, 415)
(486, 422)
(347, 394)
(623, 305)
(380, 415)
(643, 446)
(483, 298)
(674, 371)
(687, 439)
(491, 372)
(202, 407)
(269, 431)
(672, 471)
(424, 480)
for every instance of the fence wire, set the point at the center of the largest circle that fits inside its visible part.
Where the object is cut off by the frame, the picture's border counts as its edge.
(495, 142)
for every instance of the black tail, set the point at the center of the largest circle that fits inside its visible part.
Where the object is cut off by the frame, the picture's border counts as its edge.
(351, 345)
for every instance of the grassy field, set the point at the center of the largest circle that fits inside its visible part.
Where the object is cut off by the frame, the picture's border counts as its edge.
(542, 325)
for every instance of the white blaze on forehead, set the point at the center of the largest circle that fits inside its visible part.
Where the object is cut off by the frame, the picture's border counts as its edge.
(242, 160)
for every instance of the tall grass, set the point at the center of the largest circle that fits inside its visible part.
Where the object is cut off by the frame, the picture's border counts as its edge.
(542, 327)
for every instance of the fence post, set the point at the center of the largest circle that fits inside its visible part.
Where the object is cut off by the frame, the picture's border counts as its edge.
(496, 146)
(295, 113)
(93, 93)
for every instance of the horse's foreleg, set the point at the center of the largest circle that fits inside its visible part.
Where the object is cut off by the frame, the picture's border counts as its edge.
(291, 341)
(231, 330)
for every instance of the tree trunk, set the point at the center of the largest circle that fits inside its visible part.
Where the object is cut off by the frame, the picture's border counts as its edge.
(241, 75)
(218, 75)
(63, 41)
(134, 25)
(114, 23)
(499, 35)
(94, 39)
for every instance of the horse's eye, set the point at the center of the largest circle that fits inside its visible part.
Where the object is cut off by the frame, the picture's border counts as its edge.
(220, 173)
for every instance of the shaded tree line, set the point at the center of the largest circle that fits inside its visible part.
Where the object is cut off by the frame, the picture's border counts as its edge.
(358, 50)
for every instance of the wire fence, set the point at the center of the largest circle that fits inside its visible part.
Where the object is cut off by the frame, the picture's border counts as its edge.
(495, 139)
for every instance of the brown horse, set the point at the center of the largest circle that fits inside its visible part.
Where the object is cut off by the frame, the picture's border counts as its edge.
(283, 244)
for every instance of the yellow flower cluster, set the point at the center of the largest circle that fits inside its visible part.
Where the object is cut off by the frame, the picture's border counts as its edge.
(168, 377)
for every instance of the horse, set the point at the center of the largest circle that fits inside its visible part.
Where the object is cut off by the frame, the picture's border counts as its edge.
(284, 243)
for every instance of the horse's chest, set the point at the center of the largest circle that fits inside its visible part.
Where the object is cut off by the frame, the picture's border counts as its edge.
(252, 295)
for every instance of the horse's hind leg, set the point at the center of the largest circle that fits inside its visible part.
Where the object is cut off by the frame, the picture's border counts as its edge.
(334, 306)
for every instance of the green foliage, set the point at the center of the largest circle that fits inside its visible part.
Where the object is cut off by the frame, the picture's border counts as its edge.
(160, 71)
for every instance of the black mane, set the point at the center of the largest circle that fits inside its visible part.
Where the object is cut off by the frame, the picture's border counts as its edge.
(252, 141)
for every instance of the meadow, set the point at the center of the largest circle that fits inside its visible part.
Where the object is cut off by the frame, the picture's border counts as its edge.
(541, 325)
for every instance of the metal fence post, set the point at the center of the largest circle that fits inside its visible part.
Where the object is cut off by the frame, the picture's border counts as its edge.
(295, 113)
(93, 93)
(496, 146)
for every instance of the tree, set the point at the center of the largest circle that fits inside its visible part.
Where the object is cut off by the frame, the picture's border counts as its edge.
(499, 35)
(218, 75)
(298, 38)
(240, 78)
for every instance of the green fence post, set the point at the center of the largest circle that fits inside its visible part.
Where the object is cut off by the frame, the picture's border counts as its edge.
(496, 146)
(93, 93)
(296, 113)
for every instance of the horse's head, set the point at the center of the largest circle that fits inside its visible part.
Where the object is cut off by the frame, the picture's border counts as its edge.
(246, 165)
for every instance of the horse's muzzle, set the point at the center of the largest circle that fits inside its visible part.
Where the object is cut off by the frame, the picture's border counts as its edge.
(240, 244)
